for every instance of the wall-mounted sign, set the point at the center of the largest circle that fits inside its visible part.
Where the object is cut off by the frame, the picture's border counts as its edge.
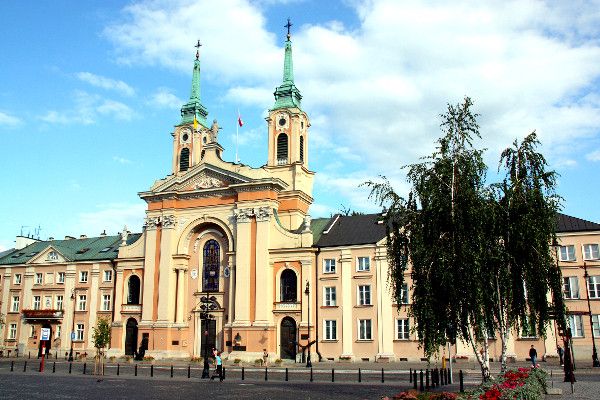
(226, 272)
(194, 273)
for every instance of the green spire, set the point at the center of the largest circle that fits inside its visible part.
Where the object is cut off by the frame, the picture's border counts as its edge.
(287, 94)
(194, 108)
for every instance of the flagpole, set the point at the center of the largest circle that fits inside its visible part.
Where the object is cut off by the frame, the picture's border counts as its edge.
(237, 128)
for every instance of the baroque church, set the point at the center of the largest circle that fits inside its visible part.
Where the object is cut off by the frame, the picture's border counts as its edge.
(228, 258)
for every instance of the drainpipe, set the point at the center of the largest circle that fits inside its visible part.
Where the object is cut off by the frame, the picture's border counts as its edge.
(317, 290)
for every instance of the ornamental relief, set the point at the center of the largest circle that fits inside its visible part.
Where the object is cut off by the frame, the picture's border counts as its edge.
(244, 215)
(204, 181)
(166, 221)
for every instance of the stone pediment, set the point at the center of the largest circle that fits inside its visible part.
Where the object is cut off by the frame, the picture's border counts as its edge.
(49, 255)
(206, 178)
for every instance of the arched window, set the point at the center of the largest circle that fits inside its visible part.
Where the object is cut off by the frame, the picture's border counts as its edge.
(301, 148)
(212, 257)
(184, 159)
(282, 149)
(288, 282)
(133, 295)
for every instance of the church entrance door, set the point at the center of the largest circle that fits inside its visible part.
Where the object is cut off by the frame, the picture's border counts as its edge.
(208, 334)
(288, 339)
(131, 336)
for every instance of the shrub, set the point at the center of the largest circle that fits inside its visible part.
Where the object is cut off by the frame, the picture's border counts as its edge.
(523, 383)
(278, 361)
(148, 358)
(444, 396)
(237, 361)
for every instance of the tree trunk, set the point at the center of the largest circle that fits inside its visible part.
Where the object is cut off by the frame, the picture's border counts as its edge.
(482, 357)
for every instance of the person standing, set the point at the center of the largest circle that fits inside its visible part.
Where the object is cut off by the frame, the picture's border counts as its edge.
(533, 356)
(219, 363)
(561, 354)
(265, 358)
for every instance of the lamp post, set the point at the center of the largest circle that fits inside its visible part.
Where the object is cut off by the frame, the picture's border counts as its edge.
(206, 306)
(307, 292)
(595, 361)
(73, 291)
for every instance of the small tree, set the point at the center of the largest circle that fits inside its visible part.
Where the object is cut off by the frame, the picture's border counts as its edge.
(101, 338)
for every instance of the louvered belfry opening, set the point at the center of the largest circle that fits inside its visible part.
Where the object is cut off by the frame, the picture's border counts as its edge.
(282, 149)
(301, 148)
(184, 159)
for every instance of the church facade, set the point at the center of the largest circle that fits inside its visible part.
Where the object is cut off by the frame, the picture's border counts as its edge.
(229, 258)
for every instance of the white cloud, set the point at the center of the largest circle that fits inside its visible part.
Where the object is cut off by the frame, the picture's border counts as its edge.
(593, 156)
(115, 108)
(86, 109)
(110, 217)
(121, 160)
(9, 120)
(106, 83)
(164, 98)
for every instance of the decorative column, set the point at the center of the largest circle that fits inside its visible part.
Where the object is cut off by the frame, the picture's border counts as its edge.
(150, 261)
(385, 318)
(93, 305)
(181, 276)
(166, 281)
(264, 280)
(348, 322)
(4, 302)
(242, 269)
(118, 295)
(26, 302)
(231, 283)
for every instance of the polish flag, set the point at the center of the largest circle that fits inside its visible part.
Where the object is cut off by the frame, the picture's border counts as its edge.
(240, 122)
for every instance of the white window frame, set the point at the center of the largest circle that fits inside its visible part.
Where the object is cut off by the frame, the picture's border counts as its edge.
(83, 276)
(59, 302)
(58, 331)
(571, 287)
(32, 331)
(593, 286)
(12, 331)
(591, 251)
(402, 329)
(364, 294)
(81, 302)
(330, 329)
(596, 325)
(567, 253)
(363, 264)
(363, 334)
(15, 304)
(37, 302)
(329, 296)
(576, 325)
(329, 266)
(404, 294)
(79, 332)
(18, 279)
(106, 302)
(107, 276)
(39, 278)
(60, 278)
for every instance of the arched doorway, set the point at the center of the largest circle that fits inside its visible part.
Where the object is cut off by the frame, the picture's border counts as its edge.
(133, 287)
(287, 338)
(288, 282)
(48, 343)
(131, 336)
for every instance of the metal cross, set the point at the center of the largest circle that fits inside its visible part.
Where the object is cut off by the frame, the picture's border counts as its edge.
(288, 26)
(197, 46)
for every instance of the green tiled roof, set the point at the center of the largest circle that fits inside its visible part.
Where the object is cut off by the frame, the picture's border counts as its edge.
(88, 249)
(317, 226)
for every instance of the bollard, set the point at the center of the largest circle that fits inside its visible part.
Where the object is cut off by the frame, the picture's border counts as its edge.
(30, 355)
(171, 370)
(84, 367)
(12, 366)
(223, 372)
(382, 380)
(56, 355)
(242, 373)
(266, 374)
(311, 374)
(70, 367)
(25, 367)
(421, 386)
(286, 374)
(135, 370)
(54, 367)
(332, 375)
(434, 378)
(359, 376)
(449, 378)
(410, 375)
(415, 379)
(460, 378)
(189, 372)
(427, 379)
(152, 370)
(118, 369)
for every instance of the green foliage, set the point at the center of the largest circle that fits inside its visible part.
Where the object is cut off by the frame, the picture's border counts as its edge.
(523, 383)
(101, 333)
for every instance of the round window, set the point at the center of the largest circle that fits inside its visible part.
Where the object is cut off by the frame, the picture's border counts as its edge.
(282, 121)
(185, 137)
(204, 139)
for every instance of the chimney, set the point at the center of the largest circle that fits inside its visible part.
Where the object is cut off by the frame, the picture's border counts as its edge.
(51, 238)
(103, 233)
(24, 241)
(82, 236)
(67, 237)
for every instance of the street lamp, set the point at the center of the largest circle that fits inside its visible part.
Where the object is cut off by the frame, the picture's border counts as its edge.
(307, 292)
(73, 291)
(595, 361)
(206, 306)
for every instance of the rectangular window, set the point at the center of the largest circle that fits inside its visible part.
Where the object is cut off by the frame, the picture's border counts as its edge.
(39, 278)
(571, 287)
(528, 329)
(60, 278)
(593, 287)
(37, 302)
(329, 266)
(83, 276)
(79, 332)
(82, 302)
(404, 294)
(364, 329)
(106, 302)
(364, 295)
(591, 252)
(58, 330)
(567, 253)
(107, 275)
(330, 296)
(59, 302)
(576, 325)
(18, 279)
(330, 329)
(596, 325)
(402, 329)
(32, 332)
(15, 304)
(12, 331)
(364, 264)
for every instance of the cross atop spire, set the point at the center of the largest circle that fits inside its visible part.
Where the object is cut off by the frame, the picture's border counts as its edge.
(197, 46)
(288, 26)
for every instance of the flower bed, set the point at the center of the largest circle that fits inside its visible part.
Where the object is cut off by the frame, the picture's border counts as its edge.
(523, 383)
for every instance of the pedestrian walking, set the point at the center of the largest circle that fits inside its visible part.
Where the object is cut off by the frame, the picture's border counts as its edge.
(219, 370)
(533, 356)
(561, 354)
(265, 358)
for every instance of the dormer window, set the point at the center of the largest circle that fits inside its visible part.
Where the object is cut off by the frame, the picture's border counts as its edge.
(52, 256)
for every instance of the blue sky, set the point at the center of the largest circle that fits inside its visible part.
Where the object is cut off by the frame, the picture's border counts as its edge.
(90, 92)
